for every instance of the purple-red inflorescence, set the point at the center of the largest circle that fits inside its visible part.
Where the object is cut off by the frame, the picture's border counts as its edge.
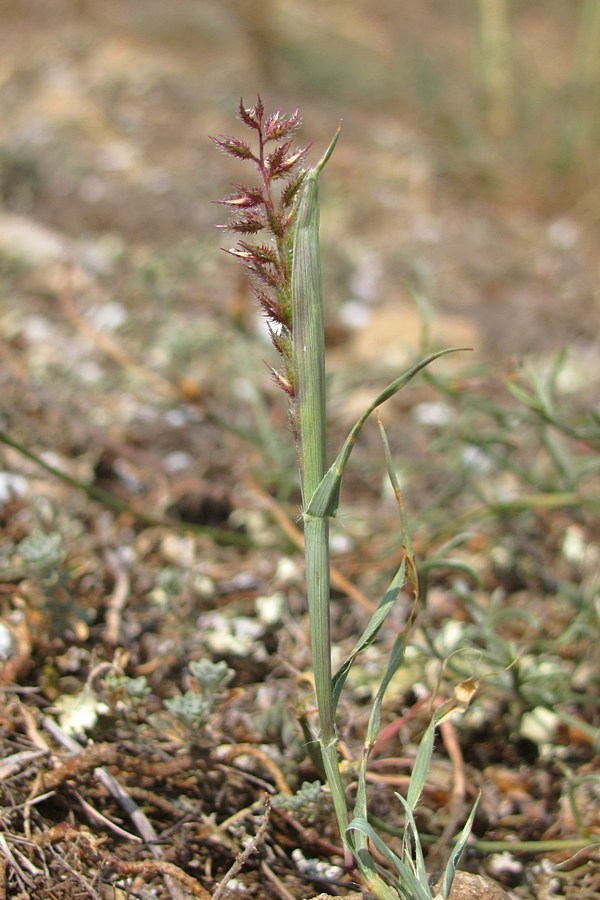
(268, 208)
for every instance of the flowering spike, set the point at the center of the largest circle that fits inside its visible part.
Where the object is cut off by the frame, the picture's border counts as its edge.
(275, 126)
(233, 147)
(260, 252)
(279, 126)
(251, 223)
(291, 161)
(271, 309)
(262, 274)
(274, 221)
(282, 341)
(252, 117)
(275, 158)
(283, 382)
(268, 208)
(243, 255)
(291, 189)
(246, 198)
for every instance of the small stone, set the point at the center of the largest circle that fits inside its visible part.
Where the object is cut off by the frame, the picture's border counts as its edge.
(467, 886)
(353, 896)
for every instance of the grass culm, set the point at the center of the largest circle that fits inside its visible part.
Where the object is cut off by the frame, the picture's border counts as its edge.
(285, 273)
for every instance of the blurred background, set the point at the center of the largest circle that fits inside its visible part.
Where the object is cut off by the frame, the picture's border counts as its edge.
(466, 177)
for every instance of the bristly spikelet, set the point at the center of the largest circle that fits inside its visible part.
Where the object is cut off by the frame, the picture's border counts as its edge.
(270, 209)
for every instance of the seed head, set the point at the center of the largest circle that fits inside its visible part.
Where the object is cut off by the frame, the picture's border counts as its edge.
(268, 208)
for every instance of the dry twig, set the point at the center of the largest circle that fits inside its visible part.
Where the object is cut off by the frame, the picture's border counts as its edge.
(168, 870)
(232, 752)
(246, 852)
(280, 888)
(118, 599)
(141, 822)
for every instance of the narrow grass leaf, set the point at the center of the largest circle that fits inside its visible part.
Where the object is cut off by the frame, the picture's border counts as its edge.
(370, 632)
(360, 802)
(557, 367)
(409, 556)
(361, 825)
(406, 539)
(412, 852)
(325, 499)
(523, 396)
(409, 886)
(457, 540)
(456, 854)
(450, 565)
(421, 766)
(394, 662)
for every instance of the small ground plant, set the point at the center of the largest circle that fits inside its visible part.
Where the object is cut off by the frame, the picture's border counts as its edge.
(285, 273)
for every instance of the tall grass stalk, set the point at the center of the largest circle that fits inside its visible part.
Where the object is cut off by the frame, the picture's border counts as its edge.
(496, 65)
(308, 341)
(286, 278)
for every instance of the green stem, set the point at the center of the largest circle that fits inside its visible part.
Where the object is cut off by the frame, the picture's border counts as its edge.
(316, 554)
(310, 420)
(554, 845)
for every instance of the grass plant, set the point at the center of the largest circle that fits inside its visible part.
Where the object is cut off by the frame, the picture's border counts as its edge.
(286, 278)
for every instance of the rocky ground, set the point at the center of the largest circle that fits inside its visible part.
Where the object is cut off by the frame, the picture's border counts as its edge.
(149, 508)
